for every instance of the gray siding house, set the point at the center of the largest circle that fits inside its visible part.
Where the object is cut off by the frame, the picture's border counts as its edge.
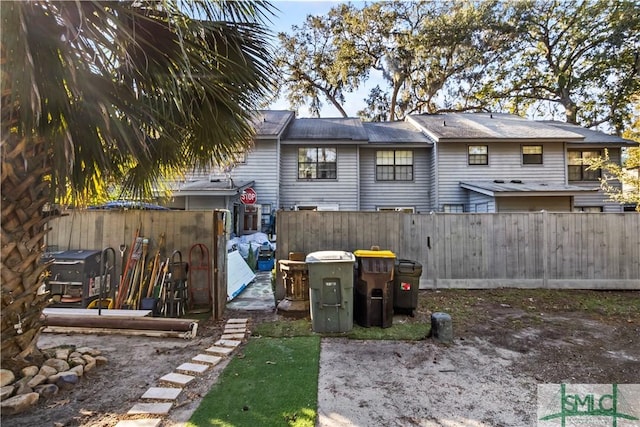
(319, 168)
(222, 187)
(456, 162)
(503, 163)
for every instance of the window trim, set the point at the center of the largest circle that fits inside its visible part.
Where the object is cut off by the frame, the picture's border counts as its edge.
(582, 166)
(318, 148)
(486, 155)
(406, 209)
(589, 209)
(395, 166)
(523, 154)
(451, 205)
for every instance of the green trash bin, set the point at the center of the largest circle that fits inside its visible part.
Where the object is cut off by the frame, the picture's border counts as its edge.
(331, 290)
(373, 288)
(406, 286)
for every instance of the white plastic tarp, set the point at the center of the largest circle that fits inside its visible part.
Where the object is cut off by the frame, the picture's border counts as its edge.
(239, 275)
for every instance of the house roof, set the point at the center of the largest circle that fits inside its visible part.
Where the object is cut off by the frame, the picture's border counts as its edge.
(334, 129)
(591, 136)
(270, 124)
(518, 188)
(216, 187)
(394, 132)
(473, 127)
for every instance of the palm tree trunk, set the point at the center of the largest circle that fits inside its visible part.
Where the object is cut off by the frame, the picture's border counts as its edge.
(24, 193)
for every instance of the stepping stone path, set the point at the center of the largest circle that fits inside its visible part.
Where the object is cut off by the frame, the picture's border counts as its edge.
(164, 396)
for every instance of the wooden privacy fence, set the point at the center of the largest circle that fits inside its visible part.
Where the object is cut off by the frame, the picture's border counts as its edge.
(182, 230)
(523, 250)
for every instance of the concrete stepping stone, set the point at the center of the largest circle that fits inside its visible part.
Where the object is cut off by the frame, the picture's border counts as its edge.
(237, 321)
(232, 336)
(175, 378)
(151, 408)
(144, 422)
(192, 367)
(227, 343)
(207, 358)
(162, 393)
(223, 351)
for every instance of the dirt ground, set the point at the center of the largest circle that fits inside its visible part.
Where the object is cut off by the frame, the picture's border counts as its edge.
(487, 377)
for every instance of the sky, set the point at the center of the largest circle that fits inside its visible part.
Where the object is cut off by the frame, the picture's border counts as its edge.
(294, 13)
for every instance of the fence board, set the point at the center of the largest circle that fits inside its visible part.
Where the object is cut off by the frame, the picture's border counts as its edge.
(97, 230)
(485, 250)
(577, 250)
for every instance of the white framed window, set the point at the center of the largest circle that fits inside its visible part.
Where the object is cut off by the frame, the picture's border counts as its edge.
(577, 167)
(587, 208)
(532, 155)
(397, 209)
(482, 207)
(317, 163)
(394, 165)
(478, 154)
(453, 208)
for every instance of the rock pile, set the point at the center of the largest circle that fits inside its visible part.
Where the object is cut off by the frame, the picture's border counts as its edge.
(62, 370)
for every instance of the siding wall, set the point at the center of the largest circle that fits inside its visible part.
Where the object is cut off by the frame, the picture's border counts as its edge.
(505, 162)
(262, 167)
(542, 249)
(432, 159)
(597, 198)
(481, 203)
(342, 191)
(375, 194)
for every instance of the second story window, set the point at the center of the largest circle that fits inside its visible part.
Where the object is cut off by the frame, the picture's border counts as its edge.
(577, 165)
(478, 155)
(532, 154)
(394, 165)
(317, 163)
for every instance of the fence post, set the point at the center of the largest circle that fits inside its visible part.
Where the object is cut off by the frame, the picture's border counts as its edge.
(545, 250)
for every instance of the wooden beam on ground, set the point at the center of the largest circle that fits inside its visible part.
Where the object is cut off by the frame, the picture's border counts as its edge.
(109, 322)
(131, 332)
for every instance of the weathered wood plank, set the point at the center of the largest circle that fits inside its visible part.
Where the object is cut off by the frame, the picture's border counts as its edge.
(474, 250)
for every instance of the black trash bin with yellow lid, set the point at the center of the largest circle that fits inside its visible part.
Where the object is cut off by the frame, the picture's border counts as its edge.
(373, 305)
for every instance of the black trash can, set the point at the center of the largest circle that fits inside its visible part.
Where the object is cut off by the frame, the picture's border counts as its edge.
(373, 288)
(406, 285)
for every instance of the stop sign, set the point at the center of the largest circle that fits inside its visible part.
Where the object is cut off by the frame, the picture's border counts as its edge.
(249, 196)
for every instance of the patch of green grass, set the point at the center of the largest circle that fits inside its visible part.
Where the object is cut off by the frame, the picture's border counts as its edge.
(302, 327)
(284, 328)
(272, 382)
(398, 331)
